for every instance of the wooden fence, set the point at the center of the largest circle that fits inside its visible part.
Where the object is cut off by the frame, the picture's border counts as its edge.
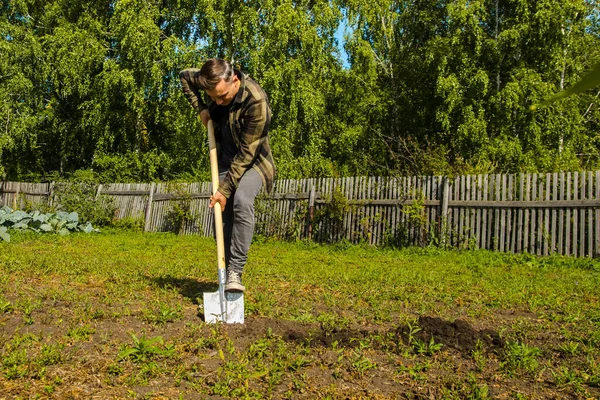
(536, 213)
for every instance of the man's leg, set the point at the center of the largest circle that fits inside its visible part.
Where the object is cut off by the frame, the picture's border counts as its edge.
(238, 227)
(242, 228)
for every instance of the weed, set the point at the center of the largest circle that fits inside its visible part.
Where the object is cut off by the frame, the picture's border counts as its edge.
(331, 323)
(81, 333)
(478, 356)
(163, 315)
(51, 354)
(427, 348)
(5, 306)
(519, 356)
(143, 349)
(298, 362)
(413, 329)
(27, 306)
(416, 372)
(15, 363)
(570, 347)
(419, 346)
(114, 369)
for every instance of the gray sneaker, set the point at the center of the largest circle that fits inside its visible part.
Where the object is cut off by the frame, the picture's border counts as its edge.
(234, 282)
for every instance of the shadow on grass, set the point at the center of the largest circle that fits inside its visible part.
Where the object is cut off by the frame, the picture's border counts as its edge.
(191, 289)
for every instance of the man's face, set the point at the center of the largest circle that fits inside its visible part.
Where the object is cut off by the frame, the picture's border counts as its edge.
(224, 92)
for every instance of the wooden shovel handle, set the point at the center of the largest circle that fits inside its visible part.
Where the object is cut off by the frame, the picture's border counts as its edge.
(214, 173)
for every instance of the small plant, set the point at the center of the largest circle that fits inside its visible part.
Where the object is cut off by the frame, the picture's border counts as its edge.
(416, 372)
(571, 348)
(15, 363)
(51, 354)
(81, 333)
(5, 306)
(478, 356)
(360, 362)
(420, 346)
(143, 349)
(164, 314)
(519, 356)
(28, 306)
(331, 323)
(412, 331)
(426, 348)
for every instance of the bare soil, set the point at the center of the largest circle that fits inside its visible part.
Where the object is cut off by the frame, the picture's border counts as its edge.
(204, 357)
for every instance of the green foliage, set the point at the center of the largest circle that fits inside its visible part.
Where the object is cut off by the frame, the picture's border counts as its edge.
(82, 197)
(60, 222)
(331, 216)
(180, 213)
(429, 87)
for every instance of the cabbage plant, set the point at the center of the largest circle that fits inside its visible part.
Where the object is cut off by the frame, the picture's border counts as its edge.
(60, 222)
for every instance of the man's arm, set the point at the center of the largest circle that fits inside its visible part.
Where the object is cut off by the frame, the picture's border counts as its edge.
(253, 135)
(190, 90)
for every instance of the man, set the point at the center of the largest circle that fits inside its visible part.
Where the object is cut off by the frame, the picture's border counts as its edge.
(241, 115)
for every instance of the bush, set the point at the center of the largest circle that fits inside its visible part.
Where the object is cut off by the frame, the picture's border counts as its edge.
(81, 197)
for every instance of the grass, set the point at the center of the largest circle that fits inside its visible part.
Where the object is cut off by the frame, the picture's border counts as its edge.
(115, 315)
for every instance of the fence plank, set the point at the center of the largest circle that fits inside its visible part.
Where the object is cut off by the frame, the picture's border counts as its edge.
(511, 215)
(582, 216)
(553, 216)
(567, 233)
(532, 224)
(597, 224)
(590, 217)
(456, 212)
(527, 194)
(540, 218)
(575, 240)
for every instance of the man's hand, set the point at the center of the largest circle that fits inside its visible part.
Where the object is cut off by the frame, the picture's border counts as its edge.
(218, 197)
(205, 117)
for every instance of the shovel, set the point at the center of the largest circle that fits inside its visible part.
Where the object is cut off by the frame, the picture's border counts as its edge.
(220, 306)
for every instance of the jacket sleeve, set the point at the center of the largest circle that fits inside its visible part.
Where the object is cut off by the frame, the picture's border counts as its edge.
(253, 134)
(191, 90)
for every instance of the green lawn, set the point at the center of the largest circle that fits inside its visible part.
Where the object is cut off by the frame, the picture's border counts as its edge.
(115, 315)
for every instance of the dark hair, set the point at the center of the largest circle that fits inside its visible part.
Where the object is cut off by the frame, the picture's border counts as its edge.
(213, 71)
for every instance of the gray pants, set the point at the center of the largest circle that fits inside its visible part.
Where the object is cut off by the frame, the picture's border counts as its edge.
(238, 220)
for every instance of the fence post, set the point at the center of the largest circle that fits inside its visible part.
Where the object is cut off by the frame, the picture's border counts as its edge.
(311, 209)
(98, 191)
(443, 226)
(51, 194)
(149, 209)
(17, 192)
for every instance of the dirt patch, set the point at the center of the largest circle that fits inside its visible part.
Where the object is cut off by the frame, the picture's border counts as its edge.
(459, 335)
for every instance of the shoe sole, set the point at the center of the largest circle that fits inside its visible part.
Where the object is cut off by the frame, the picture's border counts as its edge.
(235, 287)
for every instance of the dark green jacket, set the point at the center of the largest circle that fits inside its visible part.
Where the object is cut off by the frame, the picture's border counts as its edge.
(249, 120)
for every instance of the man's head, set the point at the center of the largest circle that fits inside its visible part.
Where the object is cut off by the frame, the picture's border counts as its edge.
(219, 81)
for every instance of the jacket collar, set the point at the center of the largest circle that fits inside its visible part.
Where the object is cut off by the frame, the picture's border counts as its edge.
(241, 94)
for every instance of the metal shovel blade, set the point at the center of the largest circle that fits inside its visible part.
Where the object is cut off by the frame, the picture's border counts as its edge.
(234, 308)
